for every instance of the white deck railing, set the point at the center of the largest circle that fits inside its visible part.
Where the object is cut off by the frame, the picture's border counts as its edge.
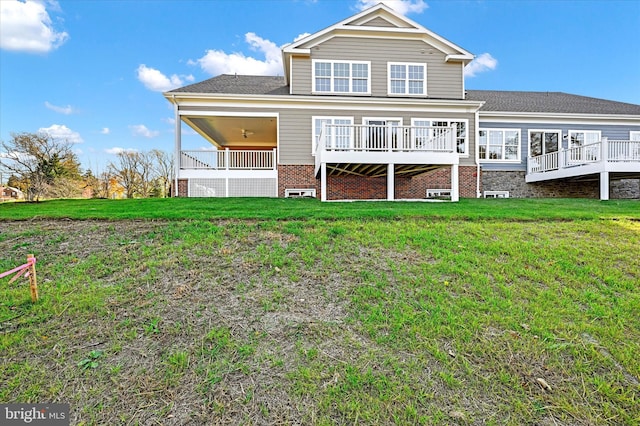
(376, 138)
(605, 150)
(229, 160)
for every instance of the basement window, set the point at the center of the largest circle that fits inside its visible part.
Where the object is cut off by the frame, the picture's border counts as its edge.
(439, 194)
(496, 194)
(300, 193)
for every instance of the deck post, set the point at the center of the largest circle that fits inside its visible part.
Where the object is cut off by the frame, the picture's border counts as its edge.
(391, 185)
(604, 185)
(323, 182)
(455, 193)
(604, 143)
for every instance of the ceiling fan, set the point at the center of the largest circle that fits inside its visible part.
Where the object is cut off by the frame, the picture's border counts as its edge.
(246, 133)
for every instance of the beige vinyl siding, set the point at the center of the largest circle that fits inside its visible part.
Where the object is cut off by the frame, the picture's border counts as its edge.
(295, 127)
(444, 80)
(301, 75)
(296, 130)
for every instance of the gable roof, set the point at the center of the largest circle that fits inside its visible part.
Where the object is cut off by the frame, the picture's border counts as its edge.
(548, 102)
(377, 20)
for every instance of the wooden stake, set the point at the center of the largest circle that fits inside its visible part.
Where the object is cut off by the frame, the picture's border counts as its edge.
(33, 282)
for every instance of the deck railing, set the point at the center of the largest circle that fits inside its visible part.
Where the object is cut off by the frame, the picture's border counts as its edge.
(354, 137)
(229, 159)
(605, 150)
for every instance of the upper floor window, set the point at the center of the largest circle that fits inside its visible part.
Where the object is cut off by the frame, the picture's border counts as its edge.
(341, 77)
(430, 130)
(499, 144)
(634, 136)
(583, 137)
(407, 78)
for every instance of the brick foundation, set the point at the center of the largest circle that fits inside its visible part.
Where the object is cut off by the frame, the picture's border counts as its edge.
(352, 187)
(297, 177)
(183, 188)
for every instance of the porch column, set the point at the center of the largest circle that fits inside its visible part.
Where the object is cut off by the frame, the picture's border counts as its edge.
(604, 185)
(323, 182)
(178, 145)
(455, 192)
(391, 184)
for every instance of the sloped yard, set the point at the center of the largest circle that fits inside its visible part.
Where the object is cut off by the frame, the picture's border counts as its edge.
(346, 321)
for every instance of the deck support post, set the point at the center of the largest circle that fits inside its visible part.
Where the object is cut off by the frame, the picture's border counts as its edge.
(323, 182)
(455, 192)
(391, 184)
(604, 185)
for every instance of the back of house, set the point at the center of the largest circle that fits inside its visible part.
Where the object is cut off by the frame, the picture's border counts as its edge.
(375, 107)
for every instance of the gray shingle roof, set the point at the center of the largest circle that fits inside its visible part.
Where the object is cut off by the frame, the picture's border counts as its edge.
(238, 85)
(549, 102)
(495, 100)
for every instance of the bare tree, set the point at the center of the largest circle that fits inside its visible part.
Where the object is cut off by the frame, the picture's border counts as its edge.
(163, 168)
(41, 162)
(126, 171)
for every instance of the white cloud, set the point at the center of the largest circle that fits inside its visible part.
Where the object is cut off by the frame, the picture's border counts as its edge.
(105, 131)
(403, 7)
(62, 110)
(482, 63)
(158, 82)
(27, 26)
(301, 36)
(142, 130)
(62, 132)
(217, 62)
(117, 150)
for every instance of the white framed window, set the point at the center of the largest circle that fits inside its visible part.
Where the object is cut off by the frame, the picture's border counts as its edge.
(583, 137)
(543, 142)
(634, 136)
(496, 194)
(341, 77)
(499, 145)
(334, 137)
(407, 78)
(461, 126)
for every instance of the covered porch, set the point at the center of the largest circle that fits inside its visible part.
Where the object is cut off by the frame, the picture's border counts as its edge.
(603, 160)
(389, 151)
(241, 160)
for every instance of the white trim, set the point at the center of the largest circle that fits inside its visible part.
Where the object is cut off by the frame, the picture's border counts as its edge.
(302, 192)
(332, 77)
(407, 79)
(634, 135)
(502, 160)
(554, 118)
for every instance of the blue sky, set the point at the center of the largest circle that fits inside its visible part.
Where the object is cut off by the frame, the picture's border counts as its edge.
(94, 71)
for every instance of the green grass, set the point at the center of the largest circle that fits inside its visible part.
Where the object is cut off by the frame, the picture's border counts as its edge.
(279, 209)
(442, 315)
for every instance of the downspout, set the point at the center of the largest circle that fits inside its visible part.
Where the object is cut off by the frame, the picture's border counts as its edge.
(477, 150)
(177, 143)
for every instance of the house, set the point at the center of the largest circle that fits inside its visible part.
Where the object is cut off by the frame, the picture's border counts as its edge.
(375, 107)
(9, 193)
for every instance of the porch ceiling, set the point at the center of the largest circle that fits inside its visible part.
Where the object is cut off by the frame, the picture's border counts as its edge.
(378, 170)
(233, 132)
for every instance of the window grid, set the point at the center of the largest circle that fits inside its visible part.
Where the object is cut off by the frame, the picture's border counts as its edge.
(341, 77)
(499, 144)
(407, 79)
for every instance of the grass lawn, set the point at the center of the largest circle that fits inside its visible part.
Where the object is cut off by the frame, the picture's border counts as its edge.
(196, 311)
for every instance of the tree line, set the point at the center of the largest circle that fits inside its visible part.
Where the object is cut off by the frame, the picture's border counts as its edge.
(44, 167)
